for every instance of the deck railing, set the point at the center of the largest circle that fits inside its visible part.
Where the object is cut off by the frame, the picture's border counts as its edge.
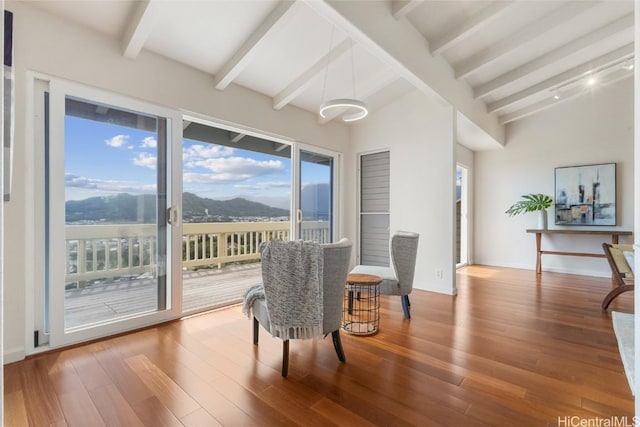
(104, 251)
(207, 244)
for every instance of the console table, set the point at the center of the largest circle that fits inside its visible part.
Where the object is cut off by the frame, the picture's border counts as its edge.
(615, 234)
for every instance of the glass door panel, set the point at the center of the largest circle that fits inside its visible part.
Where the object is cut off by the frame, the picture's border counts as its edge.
(115, 221)
(108, 254)
(315, 215)
(236, 195)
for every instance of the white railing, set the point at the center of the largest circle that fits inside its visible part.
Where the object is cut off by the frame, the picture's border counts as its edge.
(98, 251)
(104, 251)
(207, 244)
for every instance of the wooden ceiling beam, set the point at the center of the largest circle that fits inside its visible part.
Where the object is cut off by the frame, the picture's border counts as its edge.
(527, 34)
(575, 73)
(235, 136)
(584, 42)
(301, 83)
(469, 27)
(550, 102)
(139, 28)
(396, 43)
(242, 56)
(400, 8)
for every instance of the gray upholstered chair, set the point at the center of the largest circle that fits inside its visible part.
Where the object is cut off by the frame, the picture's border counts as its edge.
(398, 278)
(336, 258)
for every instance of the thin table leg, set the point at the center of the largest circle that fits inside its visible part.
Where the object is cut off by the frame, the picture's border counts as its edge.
(538, 253)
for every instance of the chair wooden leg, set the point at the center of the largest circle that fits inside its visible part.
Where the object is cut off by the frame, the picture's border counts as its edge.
(256, 330)
(614, 293)
(285, 358)
(405, 306)
(337, 344)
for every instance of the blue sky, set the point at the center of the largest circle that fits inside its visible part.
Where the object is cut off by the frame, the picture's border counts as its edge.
(103, 159)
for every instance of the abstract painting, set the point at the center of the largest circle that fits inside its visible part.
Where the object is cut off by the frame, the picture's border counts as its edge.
(586, 195)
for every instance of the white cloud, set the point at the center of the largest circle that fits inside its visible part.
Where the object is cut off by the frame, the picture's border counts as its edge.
(117, 141)
(240, 166)
(264, 185)
(213, 178)
(149, 142)
(222, 168)
(145, 160)
(107, 185)
(131, 147)
(209, 151)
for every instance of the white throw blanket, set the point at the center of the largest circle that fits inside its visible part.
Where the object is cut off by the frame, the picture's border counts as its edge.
(292, 275)
(251, 295)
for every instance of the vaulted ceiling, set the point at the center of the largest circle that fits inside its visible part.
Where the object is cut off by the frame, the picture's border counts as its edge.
(495, 61)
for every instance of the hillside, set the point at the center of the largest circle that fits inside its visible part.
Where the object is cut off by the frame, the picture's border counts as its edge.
(142, 208)
(194, 206)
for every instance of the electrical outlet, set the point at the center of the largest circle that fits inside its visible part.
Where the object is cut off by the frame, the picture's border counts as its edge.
(439, 274)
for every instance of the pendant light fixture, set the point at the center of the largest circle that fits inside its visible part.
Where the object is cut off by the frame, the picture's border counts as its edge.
(355, 109)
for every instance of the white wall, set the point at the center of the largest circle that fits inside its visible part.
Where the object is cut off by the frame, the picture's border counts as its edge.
(47, 44)
(594, 128)
(419, 135)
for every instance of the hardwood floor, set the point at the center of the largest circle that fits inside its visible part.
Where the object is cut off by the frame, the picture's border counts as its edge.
(511, 349)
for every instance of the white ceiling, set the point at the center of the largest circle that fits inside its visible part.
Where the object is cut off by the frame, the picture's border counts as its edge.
(514, 56)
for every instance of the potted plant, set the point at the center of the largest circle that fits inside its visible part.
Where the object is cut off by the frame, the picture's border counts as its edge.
(533, 203)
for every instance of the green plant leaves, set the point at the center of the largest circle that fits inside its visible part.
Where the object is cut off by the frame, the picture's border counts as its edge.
(530, 203)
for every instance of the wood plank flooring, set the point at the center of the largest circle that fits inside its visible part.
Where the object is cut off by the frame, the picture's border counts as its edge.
(511, 349)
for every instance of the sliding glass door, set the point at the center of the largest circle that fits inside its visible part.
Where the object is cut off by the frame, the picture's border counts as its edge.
(315, 215)
(147, 216)
(107, 213)
(237, 195)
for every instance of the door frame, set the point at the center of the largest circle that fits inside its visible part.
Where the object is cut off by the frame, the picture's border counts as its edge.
(336, 190)
(465, 226)
(58, 89)
(296, 146)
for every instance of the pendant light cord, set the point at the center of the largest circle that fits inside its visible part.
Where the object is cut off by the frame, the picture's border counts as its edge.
(351, 109)
(353, 72)
(326, 73)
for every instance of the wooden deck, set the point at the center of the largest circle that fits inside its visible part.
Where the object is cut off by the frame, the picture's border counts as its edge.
(511, 349)
(201, 288)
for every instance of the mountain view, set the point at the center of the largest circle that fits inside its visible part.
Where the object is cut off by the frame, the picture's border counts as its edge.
(125, 207)
(195, 207)
(128, 208)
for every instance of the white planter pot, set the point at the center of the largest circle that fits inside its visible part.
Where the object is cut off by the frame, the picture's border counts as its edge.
(542, 220)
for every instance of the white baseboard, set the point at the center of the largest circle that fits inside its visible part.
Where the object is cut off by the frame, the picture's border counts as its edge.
(594, 273)
(439, 288)
(580, 272)
(14, 355)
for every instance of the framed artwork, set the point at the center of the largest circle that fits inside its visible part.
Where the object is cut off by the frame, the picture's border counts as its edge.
(586, 195)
